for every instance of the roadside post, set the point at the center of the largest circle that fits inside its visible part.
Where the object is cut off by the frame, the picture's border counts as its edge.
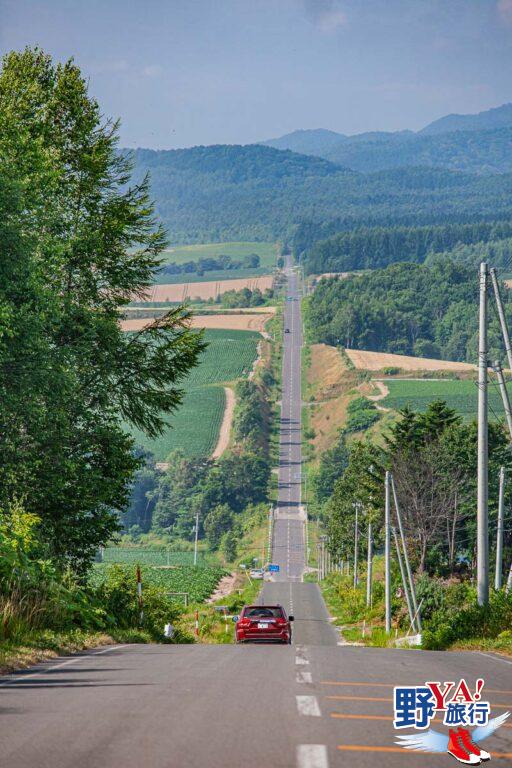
(139, 595)
(387, 552)
(196, 627)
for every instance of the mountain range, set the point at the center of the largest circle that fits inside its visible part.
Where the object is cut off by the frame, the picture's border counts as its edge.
(480, 143)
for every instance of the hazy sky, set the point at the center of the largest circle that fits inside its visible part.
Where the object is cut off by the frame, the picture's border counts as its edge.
(185, 72)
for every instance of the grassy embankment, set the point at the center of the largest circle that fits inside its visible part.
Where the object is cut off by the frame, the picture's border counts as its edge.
(451, 619)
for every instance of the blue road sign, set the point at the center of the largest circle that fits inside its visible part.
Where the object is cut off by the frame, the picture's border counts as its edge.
(273, 568)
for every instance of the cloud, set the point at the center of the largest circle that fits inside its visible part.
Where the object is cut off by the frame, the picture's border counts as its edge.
(504, 8)
(326, 15)
(152, 70)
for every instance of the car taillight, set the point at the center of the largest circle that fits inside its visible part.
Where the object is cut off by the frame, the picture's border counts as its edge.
(281, 622)
(245, 622)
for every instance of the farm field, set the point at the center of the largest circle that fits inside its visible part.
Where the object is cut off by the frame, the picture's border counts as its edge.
(181, 254)
(199, 581)
(376, 361)
(146, 556)
(205, 289)
(195, 426)
(460, 395)
(242, 322)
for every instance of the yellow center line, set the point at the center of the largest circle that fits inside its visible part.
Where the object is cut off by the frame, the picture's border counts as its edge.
(346, 716)
(360, 717)
(400, 750)
(379, 698)
(391, 685)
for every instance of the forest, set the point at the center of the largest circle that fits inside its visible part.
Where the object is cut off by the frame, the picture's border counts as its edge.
(260, 193)
(372, 247)
(405, 308)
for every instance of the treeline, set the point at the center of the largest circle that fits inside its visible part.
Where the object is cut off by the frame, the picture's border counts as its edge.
(372, 247)
(219, 491)
(246, 297)
(211, 264)
(261, 193)
(408, 309)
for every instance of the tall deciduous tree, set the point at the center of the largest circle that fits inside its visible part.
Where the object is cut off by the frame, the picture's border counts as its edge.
(77, 244)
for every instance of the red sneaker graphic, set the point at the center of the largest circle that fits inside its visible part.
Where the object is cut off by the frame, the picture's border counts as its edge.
(471, 747)
(457, 750)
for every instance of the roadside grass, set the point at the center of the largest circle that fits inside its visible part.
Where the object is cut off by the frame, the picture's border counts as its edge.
(501, 644)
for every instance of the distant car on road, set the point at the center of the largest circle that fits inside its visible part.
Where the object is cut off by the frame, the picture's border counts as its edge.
(256, 573)
(263, 624)
(287, 330)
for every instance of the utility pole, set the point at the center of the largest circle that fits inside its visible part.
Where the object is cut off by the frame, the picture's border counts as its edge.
(509, 581)
(504, 394)
(387, 552)
(404, 580)
(369, 567)
(482, 552)
(501, 314)
(356, 543)
(196, 536)
(318, 561)
(499, 534)
(406, 557)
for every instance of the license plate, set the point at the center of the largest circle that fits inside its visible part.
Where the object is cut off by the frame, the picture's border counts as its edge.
(262, 626)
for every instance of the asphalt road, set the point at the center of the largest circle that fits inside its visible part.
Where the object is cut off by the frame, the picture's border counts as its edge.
(288, 537)
(315, 704)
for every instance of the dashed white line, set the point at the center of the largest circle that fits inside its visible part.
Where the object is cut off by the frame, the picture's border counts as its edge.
(312, 756)
(301, 660)
(308, 706)
(303, 677)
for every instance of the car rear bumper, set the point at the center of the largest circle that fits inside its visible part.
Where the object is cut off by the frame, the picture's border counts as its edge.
(263, 637)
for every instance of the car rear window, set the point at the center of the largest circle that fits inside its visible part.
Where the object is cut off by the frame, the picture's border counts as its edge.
(263, 611)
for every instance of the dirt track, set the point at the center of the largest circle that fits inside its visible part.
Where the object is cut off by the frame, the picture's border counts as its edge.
(225, 428)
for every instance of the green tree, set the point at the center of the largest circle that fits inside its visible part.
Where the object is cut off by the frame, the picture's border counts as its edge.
(217, 523)
(79, 242)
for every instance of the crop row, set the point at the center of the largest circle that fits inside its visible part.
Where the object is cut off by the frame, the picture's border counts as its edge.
(197, 582)
(462, 396)
(151, 556)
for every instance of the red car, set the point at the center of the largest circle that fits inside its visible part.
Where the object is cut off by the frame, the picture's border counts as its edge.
(264, 624)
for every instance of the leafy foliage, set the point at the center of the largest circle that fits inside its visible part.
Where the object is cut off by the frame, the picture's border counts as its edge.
(78, 242)
(412, 309)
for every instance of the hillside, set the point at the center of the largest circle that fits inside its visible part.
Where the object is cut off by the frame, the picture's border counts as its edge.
(498, 117)
(475, 151)
(315, 141)
(475, 143)
(260, 193)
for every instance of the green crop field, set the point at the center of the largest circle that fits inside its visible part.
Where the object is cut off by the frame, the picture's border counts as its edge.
(194, 427)
(199, 582)
(462, 396)
(181, 254)
(162, 556)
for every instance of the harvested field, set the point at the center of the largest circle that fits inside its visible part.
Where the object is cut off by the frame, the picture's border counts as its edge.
(178, 293)
(376, 361)
(249, 322)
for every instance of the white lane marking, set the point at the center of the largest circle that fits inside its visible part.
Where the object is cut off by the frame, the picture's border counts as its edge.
(308, 706)
(495, 658)
(41, 672)
(312, 756)
(303, 677)
(301, 660)
(301, 648)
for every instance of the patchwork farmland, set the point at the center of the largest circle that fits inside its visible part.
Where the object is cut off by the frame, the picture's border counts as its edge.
(460, 395)
(237, 251)
(204, 290)
(195, 426)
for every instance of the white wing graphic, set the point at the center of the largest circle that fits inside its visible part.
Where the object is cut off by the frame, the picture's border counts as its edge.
(483, 731)
(429, 741)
